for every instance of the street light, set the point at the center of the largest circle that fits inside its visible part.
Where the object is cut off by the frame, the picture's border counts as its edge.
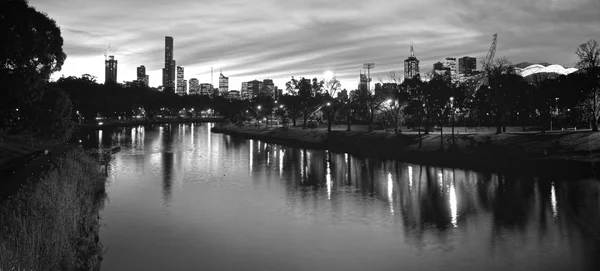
(328, 103)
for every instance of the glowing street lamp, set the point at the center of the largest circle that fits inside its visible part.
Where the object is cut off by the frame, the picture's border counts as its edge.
(328, 104)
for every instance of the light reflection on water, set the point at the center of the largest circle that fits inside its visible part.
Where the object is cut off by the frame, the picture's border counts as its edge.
(177, 201)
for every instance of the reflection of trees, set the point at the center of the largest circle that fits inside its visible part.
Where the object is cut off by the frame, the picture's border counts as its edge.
(167, 163)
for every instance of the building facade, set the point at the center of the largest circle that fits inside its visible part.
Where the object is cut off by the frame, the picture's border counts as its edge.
(185, 87)
(244, 91)
(110, 70)
(467, 65)
(450, 63)
(268, 88)
(411, 65)
(223, 84)
(194, 87)
(234, 95)
(253, 88)
(168, 81)
(206, 89)
(180, 83)
(141, 75)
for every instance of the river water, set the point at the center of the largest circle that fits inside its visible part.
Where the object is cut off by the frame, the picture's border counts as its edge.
(183, 198)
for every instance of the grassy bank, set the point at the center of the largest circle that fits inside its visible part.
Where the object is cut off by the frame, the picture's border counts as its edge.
(574, 153)
(53, 223)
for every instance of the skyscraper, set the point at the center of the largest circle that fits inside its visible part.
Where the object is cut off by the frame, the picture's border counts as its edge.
(363, 82)
(244, 91)
(411, 65)
(450, 63)
(110, 70)
(223, 85)
(180, 83)
(185, 87)
(194, 87)
(268, 88)
(169, 69)
(466, 65)
(141, 75)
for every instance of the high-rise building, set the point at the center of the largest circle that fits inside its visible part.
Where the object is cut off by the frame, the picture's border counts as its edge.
(206, 89)
(268, 88)
(169, 69)
(223, 84)
(185, 87)
(141, 75)
(147, 80)
(450, 62)
(363, 82)
(244, 91)
(466, 65)
(234, 95)
(180, 83)
(110, 70)
(254, 87)
(194, 87)
(411, 65)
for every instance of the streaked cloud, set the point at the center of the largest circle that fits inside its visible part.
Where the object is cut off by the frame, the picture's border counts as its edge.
(279, 39)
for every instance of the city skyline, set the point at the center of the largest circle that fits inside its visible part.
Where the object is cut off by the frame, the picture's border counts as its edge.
(314, 37)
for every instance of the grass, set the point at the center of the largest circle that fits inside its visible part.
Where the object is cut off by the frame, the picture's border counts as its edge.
(14, 147)
(53, 224)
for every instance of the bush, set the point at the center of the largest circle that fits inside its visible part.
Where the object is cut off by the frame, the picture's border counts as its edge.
(53, 224)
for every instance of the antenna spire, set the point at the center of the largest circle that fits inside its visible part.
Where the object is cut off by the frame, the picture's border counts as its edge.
(412, 50)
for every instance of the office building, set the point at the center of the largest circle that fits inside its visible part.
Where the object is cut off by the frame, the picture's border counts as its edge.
(141, 75)
(268, 88)
(185, 87)
(411, 65)
(253, 88)
(234, 95)
(244, 91)
(194, 87)
(180, 84)
(450, 63)
(169, 69)
(467, 65)
(206, 89)
(110, 70)
(223, 84)
(363, 82)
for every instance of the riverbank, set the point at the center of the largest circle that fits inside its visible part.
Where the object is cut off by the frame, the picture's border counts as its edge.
(136, 122)
(574, 153)
(52, 223)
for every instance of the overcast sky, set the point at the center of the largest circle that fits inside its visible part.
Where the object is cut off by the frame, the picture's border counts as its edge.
(278, 39)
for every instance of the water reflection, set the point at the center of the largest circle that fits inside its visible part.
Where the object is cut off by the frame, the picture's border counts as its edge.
(465, 219)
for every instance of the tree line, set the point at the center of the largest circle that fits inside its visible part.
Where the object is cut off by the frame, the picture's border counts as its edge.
(499, 97)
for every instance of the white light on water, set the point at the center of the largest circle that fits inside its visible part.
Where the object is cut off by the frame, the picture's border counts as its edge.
(281, 154)
(553, 201)
(410, 177)
(390, 190)
(441, 179)
(250, 151)
(328, 177)
(453, 205)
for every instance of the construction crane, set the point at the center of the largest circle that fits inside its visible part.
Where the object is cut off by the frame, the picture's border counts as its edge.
(489, 58)
(106, 53)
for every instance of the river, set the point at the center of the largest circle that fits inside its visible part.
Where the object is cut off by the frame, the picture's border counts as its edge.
(183, 198)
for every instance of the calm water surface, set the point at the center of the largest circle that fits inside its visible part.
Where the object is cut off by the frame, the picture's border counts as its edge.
(183, 198)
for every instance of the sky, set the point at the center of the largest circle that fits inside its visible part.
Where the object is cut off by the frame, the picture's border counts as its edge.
(278, 39)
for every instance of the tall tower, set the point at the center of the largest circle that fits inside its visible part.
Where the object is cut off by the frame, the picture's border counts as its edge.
(141, 75)
(223, 84)
(169, 69)
(110, 70)
(180, 82)
(411, 65)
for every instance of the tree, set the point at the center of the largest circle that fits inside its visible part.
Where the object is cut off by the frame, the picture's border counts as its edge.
(498, 77)
(50, 117)
(589, 61)
(369, 104)
(329, 88)
(32, 51)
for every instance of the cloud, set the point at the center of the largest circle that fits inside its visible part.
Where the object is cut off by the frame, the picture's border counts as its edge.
(278, 39)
